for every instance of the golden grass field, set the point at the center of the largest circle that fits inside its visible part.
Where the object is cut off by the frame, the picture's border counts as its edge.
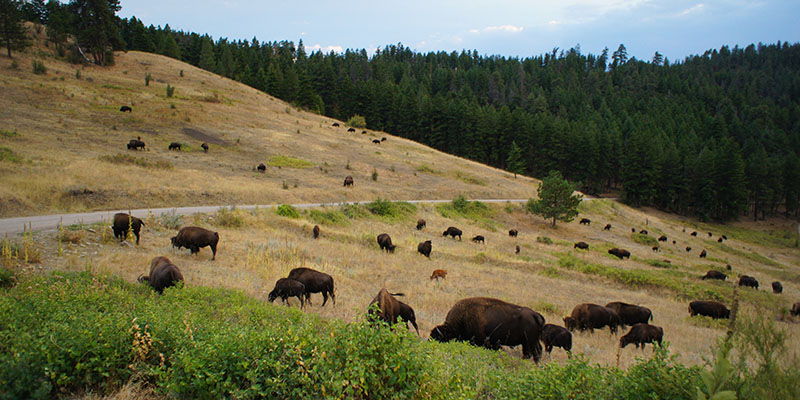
(63, 127)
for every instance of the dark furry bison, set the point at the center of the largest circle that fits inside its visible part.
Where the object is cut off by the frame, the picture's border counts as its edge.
(592, 316)
(655, 249)
(643, 232)
(492, 323)
(719, 240)
(194, 238)
(641, 334)
(424, 248)
(710, 234)
(376, 141)
(453, 232)
(479, 239)
(749, 281)
(204, 146)
(364, 132)
(175, 146)
(385, 242)
(389, 309)
(315, 231)
(348, 181)
(777, 288)
(688, 249)
(795, 309)
(662, 238)
(351, 130)
(581, 245)
(607, 227)
(620, 253)
(420, 224)
(694, 233)
(513, 233)
(163, 274)
(713, 309)
(261, 167)
(585, 221)
(126, 109)
(712, 274)
(556, 336)
(136, 144)
(439, 274)
(724, 237)
(335, 124)
(630, 314)
(703, 253)
(516, 250)
(285, 288)
(315, 282)
(124, 222)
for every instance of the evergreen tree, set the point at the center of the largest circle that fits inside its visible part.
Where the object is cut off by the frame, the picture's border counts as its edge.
(12, 30)
(97, 30)
(59, 21)
(168, 46)
(556, 200)
(515, 163)
(206, 61)
(34, 11)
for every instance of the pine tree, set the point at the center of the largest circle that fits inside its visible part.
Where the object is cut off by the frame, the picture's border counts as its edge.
(97, 28)
(12, 30)
(207, 54)
(515, 163)
(556, 200)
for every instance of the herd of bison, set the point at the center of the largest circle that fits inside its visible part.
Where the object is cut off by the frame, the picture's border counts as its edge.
(481, 321)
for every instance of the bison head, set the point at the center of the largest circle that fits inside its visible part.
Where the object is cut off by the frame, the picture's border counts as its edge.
(174, 240)
(272, 295)
(441, 333)
(570, 323)
(143, 279)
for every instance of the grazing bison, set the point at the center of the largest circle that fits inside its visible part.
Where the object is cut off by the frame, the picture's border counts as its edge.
(641, 334)
(126, 109)
(620, 253)
(163, 274)
(728, 267)
(688, 249)
(777, 288)
(383, 139)
(513, 233)
(285, 288)
(607, 227)
(556, 336)
(712, 274)
(336, 124)
(261, 167)
(724, 237)
(630, 314)
(581, 245)
(124, 222)
(453, 232)
(204, 146)
(316, 231)
(175, 146)
(315, 282)
(478, 239)
(420, 224)
(719, 240)
(749, 281)
(385, 242)
(592, 316)
(136, 144)
(703, 253)
(439, 274)
(710, 234)
(633, 230)
(194, 238)
(694, 233)
(364, 132)
(351, 130)
(376, 141)
(389, 309)
(424, 248)
(516, 250)
(795, 309)
(713, 309)
(492, 323)
(655, 249)
(662, 238)
(348, 181)
(585, 221)
(674, 242)
(643, 232)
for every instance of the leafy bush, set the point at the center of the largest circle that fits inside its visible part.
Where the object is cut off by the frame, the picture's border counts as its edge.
(467, 178)
(544, 239)
(229, 218)
(428, 170)
(7, 155)
(5, 133)
(147, 79)
(7, 278)
(139, 162)
(357, 121)
(646, 240)
(289, 162)
(286, 210)
(354, 211)
(329, 217)
(170, 221)
(472, 210)
(660, 263)
(39, 68)
(170, 90)
(391, 210)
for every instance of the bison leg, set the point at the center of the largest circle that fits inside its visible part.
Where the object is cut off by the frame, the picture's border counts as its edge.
(213, 252)
(308, 298)
(137, 237)
(324, 297)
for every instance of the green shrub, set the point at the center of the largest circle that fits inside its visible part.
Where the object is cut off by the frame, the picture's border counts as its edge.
(170, 221)
(170, 91)
(5, 133)
(354, 211)
(39, 68)
(329, 217)
(7, 278)
(289, 162)
(147, 78)
(644, 239)
(473, 210)
(390, 210)
(660, 263)
(140, 162)
(357, 121)
(428, 170)
(7, 155)
(230, 218)
(286, 210)
(544, 239)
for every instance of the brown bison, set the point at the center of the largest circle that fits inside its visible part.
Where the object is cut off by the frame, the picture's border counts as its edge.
(607, 227)
(795, 309)
(581, 245)
(163, 274)
(641, 334)
(123, 223)
(585, 221)
(175, 146)
(492, 323)
(335, 124)
(315, 231)
(204, 146)
(136, 144)
(688, 249)
(703, 253)
(420, 224)
(424, 248)
(389, 309)
(453, 232)
(712, 274)
(620, 253)
(348, 181)
(713, 309)
(513, 233)
(376, 141)
(556, 336)
(385, 242)
(592, 316)
(516, 250)
(479, 239)
(777, 288)
(719, 240)
(126, 109)
(663, 238)
(439, 274)
(748, 281)
(315, 282)
(261, 167)
(194, 238)
(655, 249)
(694, 233)
(285, 288)
(630, 314)
(643, 232)
(353, 130)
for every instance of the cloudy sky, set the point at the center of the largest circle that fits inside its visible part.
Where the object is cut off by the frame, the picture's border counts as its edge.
(675, 28)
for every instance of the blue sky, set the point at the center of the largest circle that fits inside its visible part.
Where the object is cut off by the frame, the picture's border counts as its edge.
(520, 28)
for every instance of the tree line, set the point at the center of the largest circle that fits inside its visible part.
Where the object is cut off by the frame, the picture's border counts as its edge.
(716, 135)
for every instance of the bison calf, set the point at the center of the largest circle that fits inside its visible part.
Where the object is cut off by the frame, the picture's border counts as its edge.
(163, 274)
(204, 146)
(439, 274)
(513, 233)
(123, 223)
(556, 336)
(194, 238)
(424, 248)
(285, 288)
(641, 334)
(479, 239)
(388, 309)
(316, 231)
(607, 227)
(777, 288)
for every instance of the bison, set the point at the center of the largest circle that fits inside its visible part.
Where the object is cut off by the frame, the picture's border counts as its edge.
(719, 240)
(136, 144)
(709, 308)
(492, 323)
(163, 274)
(777, 288)
(383, 139)
(688, 249)
(633, 230)
(385, 242)
(710, 234)
(204, 146)
(315, 231)
(749, 281)
(724, 237)
(478, 239)
(175, 146)
(123, 223)
(607, 227)
(630, 314)
(376, 141)
(420, 224)
(795, 309)
(694, 233)
(592, 316)
(439, 274)
(655, 249)
(453, 232)
(703, 253)
(662, 238)
(315, 282)
(424, 248)
(643, 232)
(364, 132)
(353, 130)
(585, 221)
(285, 288)
(620, 253)
(581, 245)
(641, 334)
(261, 168)
(556, 336)
(712, 274)
(126, 109)
(513, 233)
(335, 124)
(389, 309)
(516, 250)
(194, 238)
(348, 181)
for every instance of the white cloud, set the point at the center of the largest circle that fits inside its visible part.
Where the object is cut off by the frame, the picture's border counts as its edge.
(498, 29)
(325, 49)
(691, 10)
